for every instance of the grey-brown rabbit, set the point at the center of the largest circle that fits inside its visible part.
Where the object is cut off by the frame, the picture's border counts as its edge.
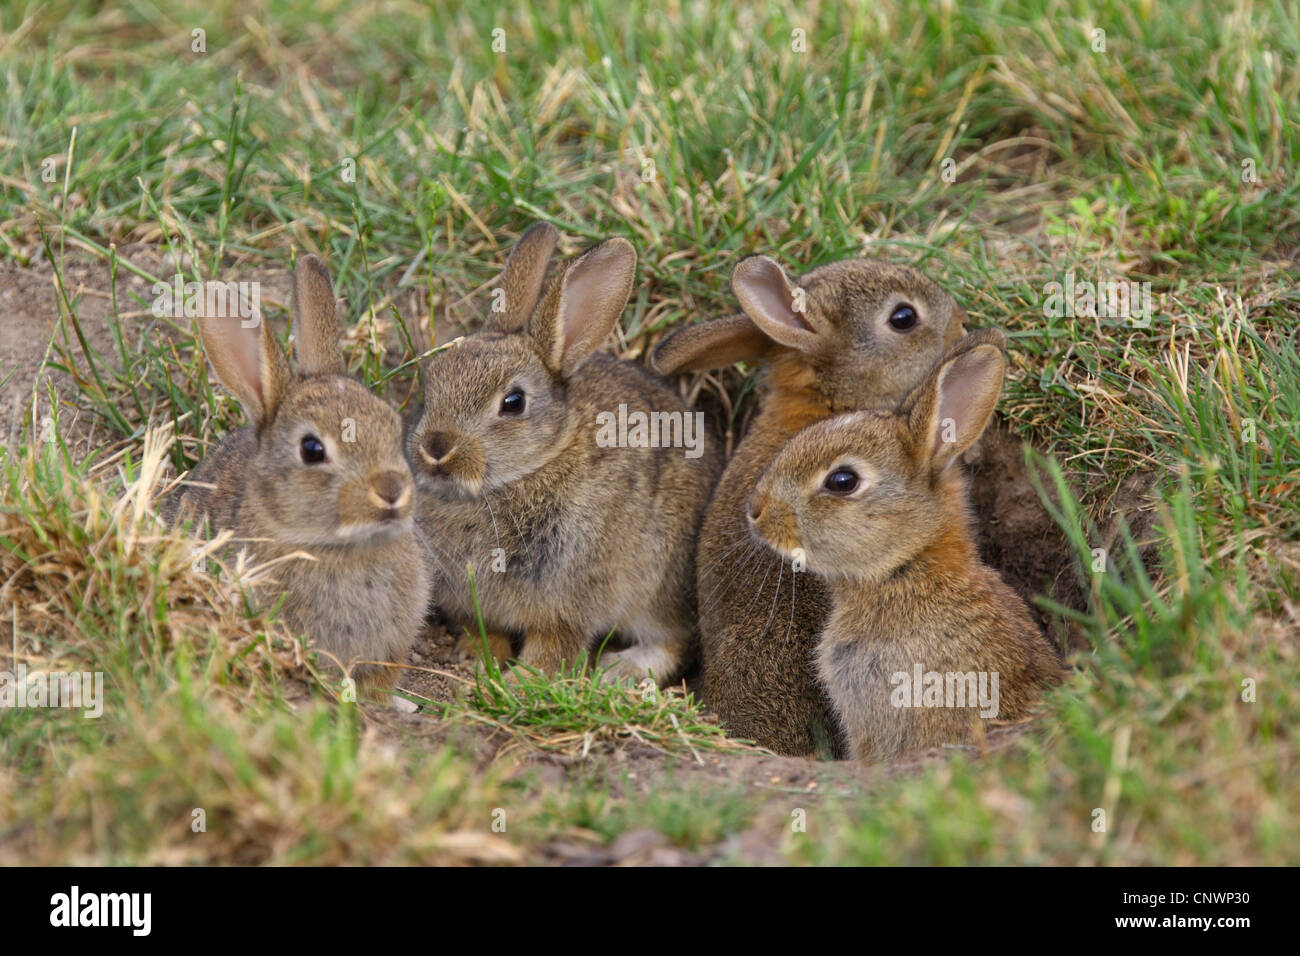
(849, 335)
(924, 642)
(320, 471)
(572, 531)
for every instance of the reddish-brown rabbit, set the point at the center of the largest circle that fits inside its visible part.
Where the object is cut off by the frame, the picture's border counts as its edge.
(849, 335)
(923, 641)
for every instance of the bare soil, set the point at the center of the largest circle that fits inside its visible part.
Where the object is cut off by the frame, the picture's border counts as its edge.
(30, 333)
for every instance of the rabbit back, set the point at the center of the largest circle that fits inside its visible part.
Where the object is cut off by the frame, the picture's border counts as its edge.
(215, 487)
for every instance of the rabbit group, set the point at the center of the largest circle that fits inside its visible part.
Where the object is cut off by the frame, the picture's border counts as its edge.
(569, 538)
(496, 501)
(849, 336)
(874, 503)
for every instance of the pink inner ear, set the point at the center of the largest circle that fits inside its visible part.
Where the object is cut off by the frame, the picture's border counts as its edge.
(955, 398)
(246, 349)
(765, 287)
(595, 291)
(581, 292)
(251, 359)
(777, 305)
(968, 391)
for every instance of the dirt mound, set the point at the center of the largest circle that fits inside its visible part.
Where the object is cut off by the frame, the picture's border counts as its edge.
(1018, 537)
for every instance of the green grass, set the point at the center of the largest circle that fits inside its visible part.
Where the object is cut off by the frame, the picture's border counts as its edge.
(579, 708)
(572, 711)
(1123, 163)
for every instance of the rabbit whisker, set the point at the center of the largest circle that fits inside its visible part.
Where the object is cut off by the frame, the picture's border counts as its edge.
(721, 558)
(742, 565)
(761, 587)
(495, 531)
(442, 568)
(751, 561)
(510, 512)
(780, 574)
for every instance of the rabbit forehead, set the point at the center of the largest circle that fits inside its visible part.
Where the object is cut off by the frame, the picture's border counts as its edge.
(869, 436)
(335, 405)
(465, 377)
(852, 293)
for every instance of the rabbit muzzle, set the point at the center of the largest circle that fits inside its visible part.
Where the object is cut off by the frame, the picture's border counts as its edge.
(438, 448)
(390, 495)
(377, 508)
(451, 463)
(772, 520)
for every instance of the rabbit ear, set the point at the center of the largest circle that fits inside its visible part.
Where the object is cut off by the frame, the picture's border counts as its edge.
(950, 409)
(248, 361)
(715, 344)
(520, 285)
(315, 319)
(583, 309)
(772, 301)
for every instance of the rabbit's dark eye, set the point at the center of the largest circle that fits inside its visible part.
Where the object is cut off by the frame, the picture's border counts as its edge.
(903, 318)
(313, 450)
(513, 403)
(842, 481)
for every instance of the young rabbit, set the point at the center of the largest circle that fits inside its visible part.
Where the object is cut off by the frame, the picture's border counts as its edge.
(875, 503)
(320, 470)
(850, 335)
(572, 533)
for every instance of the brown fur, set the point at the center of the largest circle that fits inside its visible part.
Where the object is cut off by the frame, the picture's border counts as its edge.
(355, 577)
(906, 585)
(591, 538)
(758, 622)
(469, 646)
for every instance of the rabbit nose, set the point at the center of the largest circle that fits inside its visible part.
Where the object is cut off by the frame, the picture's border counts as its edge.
(390, 490)
(439, 447)
(755, 510)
